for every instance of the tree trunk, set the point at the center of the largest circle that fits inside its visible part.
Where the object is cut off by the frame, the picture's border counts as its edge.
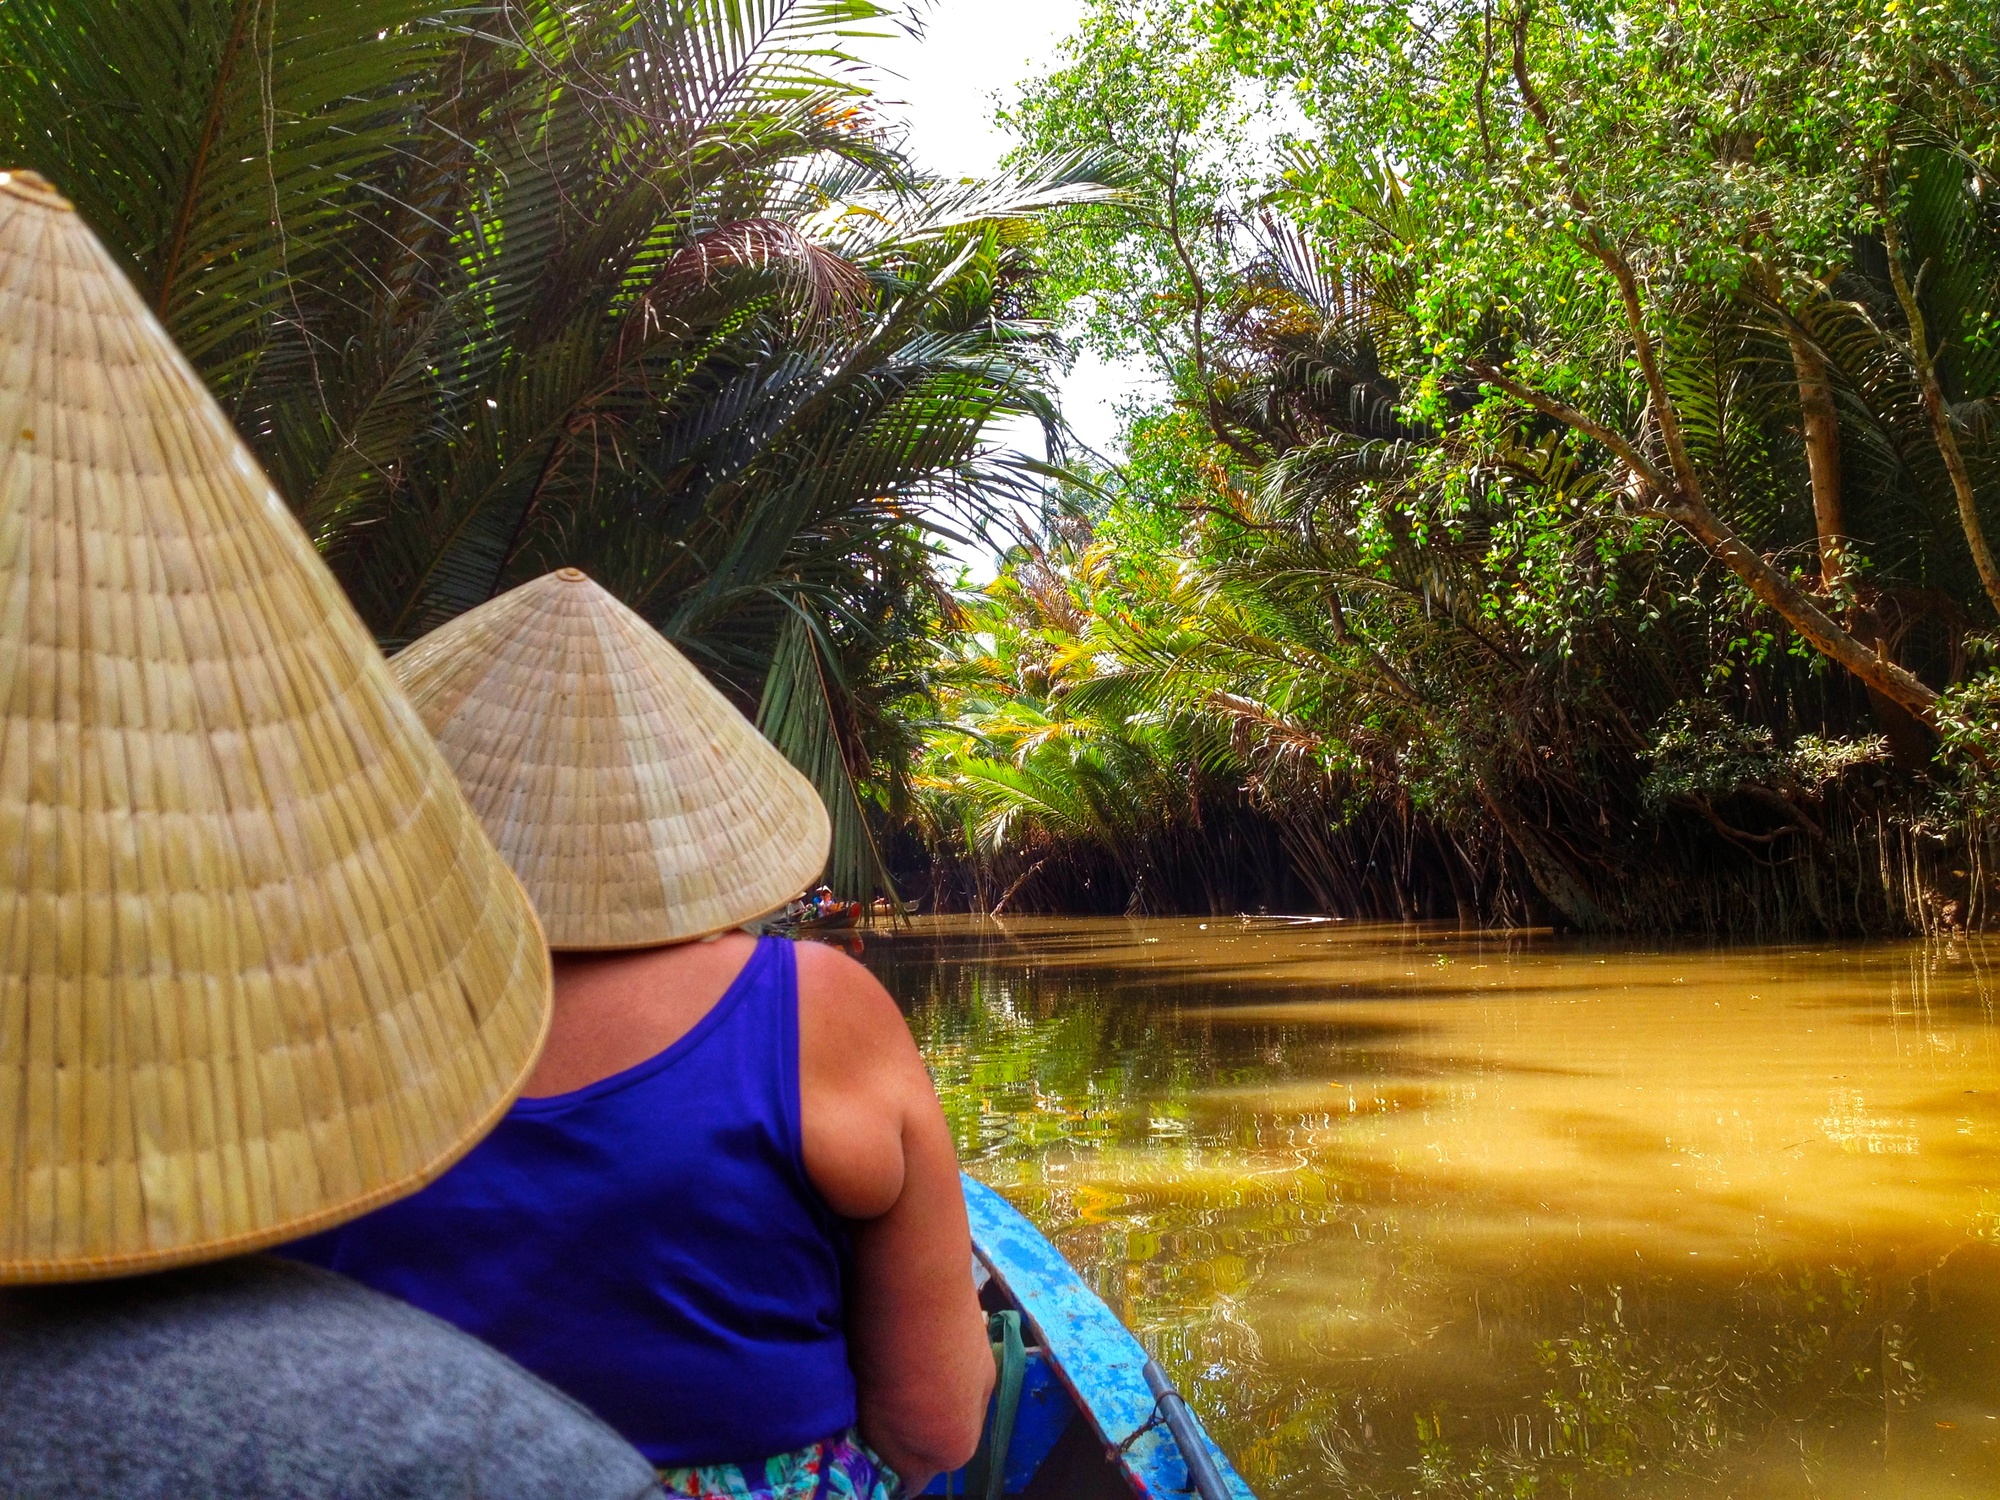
(1802, 612)
(1934, 402)
(1819, 422)
(1682, 504)
(1551, 873)
(1680, 492)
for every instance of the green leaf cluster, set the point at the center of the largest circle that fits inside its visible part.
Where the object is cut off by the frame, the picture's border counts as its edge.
(643, 287)
(1578, 457)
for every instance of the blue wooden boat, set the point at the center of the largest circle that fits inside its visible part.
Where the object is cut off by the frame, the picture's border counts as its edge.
(1095, 1417)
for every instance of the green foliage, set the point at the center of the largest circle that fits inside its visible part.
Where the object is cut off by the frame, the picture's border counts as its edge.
(1969, 725)
(187, 132)
(1480, 537)
(1577, 193)
(1037, 746)
(1701, 753)
(639, 287)
(1138, 82)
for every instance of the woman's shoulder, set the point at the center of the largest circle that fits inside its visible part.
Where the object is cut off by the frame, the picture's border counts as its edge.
(862, 1081)
(844, 1003)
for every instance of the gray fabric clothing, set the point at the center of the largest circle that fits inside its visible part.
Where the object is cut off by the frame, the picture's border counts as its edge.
(263, 1378)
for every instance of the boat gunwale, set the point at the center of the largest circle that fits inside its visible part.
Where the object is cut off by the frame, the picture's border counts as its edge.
(1148, 1458)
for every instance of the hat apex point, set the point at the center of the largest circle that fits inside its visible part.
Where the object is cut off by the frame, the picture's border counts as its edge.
(33, 187)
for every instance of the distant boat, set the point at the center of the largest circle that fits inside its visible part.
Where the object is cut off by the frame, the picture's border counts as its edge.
(836, 918)
(1097, 1419)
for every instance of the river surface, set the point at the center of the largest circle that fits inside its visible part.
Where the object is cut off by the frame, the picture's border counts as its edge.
(1423, 1213)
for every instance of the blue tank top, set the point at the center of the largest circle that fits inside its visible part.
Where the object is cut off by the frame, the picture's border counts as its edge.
(649, 1244)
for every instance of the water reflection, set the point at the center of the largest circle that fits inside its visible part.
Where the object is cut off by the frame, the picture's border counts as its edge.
(1418, 1213)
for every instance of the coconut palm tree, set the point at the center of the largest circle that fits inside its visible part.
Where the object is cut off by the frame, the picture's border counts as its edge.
(641, 286)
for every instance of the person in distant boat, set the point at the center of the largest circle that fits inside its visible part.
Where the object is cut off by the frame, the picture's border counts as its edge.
(263, 971)
(727, 1215)
(815, 905)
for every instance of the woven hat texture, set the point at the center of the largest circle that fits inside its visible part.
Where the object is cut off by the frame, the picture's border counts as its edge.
(262, 970)
(634, 801)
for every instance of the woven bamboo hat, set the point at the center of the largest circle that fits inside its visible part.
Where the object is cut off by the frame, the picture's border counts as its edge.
(259, 968)
(636, 804)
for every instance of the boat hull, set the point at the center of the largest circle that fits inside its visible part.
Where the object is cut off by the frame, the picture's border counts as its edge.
(839, 919)
(1086, 1428)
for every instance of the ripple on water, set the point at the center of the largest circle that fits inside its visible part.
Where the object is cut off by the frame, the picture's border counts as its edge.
(1411, 1212)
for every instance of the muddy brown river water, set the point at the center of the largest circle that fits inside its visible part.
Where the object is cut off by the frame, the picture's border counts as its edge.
(1423, 1213)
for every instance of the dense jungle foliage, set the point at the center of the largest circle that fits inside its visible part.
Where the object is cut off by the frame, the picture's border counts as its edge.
(1559, 491)
(646, 287)
(1566, 488)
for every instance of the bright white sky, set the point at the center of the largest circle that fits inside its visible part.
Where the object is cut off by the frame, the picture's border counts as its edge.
(975, 54)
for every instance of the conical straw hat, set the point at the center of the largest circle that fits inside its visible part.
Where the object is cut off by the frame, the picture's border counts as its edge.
(261, 969)
(633, 800)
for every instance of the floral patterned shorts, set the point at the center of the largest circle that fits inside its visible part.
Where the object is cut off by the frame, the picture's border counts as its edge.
(842, 1468)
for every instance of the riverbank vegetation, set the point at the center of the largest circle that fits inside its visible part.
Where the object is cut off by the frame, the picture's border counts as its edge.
(1559, 490)
(1569, 489)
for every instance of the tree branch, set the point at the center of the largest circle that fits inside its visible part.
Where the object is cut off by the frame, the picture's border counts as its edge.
(1765, 582)
(1934, 403)
(225, 72)
(1570, 417)
(1614, 261)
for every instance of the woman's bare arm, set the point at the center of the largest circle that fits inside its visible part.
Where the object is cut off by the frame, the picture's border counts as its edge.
(878, 1150)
